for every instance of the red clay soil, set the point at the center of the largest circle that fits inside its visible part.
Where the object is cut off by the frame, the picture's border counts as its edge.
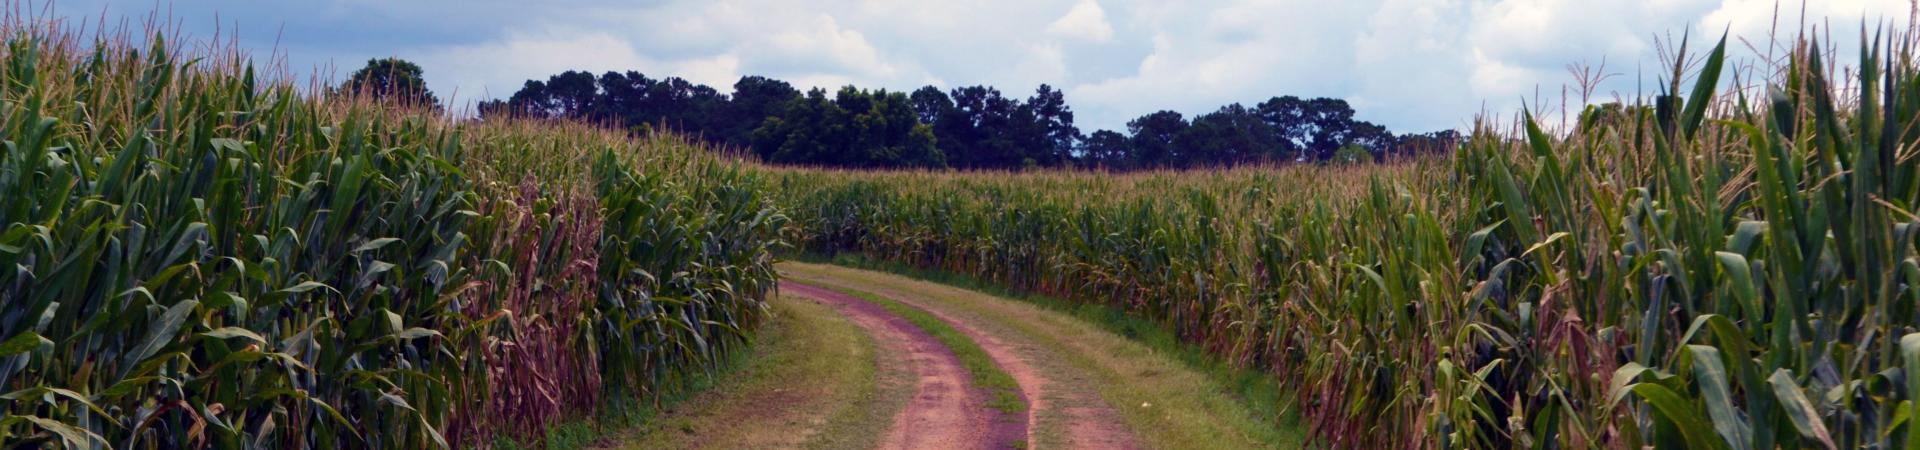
(947, 411)
(1089, 422)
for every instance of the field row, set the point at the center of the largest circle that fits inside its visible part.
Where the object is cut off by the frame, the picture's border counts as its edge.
(1705, 270)
(199, 256)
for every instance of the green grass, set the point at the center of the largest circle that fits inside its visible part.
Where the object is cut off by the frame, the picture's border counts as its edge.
(810, 365)
(1003, 390)
(615, 416)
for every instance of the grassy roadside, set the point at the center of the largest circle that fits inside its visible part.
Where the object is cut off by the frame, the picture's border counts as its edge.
(1135, 363)
(811, 381)
(618, 415)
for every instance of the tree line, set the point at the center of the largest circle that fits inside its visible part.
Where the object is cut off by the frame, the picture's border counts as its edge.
(971, 127)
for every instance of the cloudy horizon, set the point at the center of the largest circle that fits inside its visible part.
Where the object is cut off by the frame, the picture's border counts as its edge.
(1412, 65)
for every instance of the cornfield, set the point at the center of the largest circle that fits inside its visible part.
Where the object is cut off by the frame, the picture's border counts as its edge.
(200, 254)
(1707, 268)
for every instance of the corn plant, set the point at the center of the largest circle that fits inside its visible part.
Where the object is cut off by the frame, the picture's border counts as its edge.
(1706, 269)
(202, 255)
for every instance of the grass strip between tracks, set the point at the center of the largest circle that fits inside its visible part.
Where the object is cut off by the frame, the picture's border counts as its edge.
(1004, 392)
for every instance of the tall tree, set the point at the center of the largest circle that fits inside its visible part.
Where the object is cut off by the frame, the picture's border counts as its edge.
(623, 98)
(530, 101)
(854, 128)
(1313, 129)
(931, 104)
(975, 134)
(1053, 119)
(1154, 139)
(1417, 144)
(1232, 135)
(755, 98)
(1368, 135)
(1289, 119)
(392, 80)
(972, 127)
(686, 106)
(1107, 149)
(573, 93)
(1332, 121)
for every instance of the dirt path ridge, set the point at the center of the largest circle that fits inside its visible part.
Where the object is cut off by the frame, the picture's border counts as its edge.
(947, 411)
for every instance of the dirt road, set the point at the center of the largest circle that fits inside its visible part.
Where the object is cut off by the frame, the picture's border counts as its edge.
(931, 366)
(946, 411)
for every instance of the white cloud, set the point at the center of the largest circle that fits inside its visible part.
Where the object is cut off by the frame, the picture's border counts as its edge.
(1086, 22)
(719, 71)
(1409, 66)
(496, 69)
(1413, 65)
(1246, 52)
(1043, 63)
(1437, 63)
(827, 81)
(1494, 76)
(1759, 20)
(824, 39)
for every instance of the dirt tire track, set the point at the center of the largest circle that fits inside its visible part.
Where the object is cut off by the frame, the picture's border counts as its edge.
(1089, 422)
(947, 411)
(1086, 421)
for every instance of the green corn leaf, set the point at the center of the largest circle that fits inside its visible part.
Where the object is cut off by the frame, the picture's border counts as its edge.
(235, 332)
(1694, 428)
(1622, 382)
(21, 343)
(1544, 244)
(159, 334)
(304, 287)
(38, 391)
(1703, 89)
(1910, 356)
(70, 436)
(1740, 275)
(1711, 377)
(416, 333)
(1745, 235)
(1798, 409)
(127, 386)
(375, 244)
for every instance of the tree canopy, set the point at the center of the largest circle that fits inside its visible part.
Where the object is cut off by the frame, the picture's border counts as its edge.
(392, 80)
(968, 127)
(854, 128)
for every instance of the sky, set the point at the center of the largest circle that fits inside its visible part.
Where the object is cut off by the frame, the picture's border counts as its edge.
(1412, 65)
